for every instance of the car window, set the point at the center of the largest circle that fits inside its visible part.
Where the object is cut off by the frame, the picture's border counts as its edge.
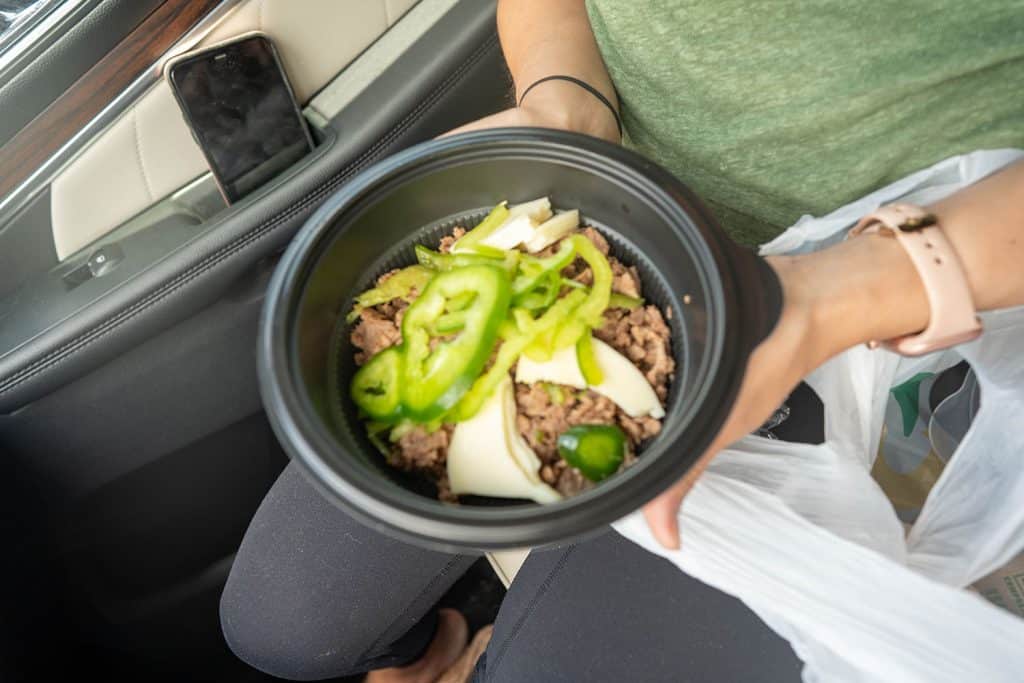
(19, 17)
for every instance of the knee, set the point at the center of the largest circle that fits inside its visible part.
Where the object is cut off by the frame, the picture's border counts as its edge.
(283, 638)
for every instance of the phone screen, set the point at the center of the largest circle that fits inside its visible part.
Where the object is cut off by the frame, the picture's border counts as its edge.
(242, 112)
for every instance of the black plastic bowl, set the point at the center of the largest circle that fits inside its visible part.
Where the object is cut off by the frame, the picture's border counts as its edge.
(723, 299)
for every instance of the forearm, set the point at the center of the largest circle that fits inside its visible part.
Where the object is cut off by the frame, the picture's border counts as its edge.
(866, 288)
(545, 37)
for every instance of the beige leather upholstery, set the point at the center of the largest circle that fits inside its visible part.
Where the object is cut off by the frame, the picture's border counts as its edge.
(148, 152)
(507, 563)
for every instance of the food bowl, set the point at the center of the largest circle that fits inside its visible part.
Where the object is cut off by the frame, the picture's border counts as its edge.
(723, 301)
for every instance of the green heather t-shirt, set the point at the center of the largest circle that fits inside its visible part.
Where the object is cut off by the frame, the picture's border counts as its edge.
(769, 110)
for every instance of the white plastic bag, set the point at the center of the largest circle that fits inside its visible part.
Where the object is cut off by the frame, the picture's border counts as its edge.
(806, 538)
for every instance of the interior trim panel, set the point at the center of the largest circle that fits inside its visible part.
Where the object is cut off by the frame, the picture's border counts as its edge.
(149, 152)
(86, 98)
(427, 90)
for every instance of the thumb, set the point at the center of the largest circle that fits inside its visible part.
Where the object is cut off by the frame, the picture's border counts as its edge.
(662, 513)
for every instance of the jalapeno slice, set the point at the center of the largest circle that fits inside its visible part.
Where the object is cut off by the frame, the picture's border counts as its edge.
(596, 451)
(437, 371)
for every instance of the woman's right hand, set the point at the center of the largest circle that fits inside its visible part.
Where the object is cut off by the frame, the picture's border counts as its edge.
(554, 104)
(541, 38)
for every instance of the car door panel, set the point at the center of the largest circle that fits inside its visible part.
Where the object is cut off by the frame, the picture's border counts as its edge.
(48, 67)
(149, 153)
(132, 414)
(411, 101)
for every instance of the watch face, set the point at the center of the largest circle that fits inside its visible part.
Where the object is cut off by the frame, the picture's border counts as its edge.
(915, 223)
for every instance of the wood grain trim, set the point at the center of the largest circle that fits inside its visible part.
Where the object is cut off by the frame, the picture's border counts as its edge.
(69, 113)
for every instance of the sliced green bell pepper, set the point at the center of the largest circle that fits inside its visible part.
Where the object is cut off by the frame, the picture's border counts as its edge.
(434, 380)
(435, 260)
(542, 295)
(591, 312)
(615, 300)
(492, 222)
(533, 270)
(374, 387)
(555, 393)
(398, 286)
(597, 451)
(587, 361)
(509, 353)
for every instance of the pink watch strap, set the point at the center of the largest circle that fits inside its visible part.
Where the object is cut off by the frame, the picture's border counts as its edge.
(953, 318)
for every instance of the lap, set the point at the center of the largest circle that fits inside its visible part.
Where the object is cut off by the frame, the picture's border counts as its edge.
(606, 610)
(313, 592)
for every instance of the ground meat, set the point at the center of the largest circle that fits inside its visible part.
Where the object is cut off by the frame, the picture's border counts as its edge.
(425, 453)
(544, 411)
(395, 309)
(421, 450)
(541, 418)
(642, 336)
(374, 333)
(540, 421)
(380, 326)
(625, 280)
(448, 240)
(572, 482)
(598, 239)
(638, 429)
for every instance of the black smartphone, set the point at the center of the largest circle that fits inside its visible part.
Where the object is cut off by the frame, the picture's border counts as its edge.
(241, 109)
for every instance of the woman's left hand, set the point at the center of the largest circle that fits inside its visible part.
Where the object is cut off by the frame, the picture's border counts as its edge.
(774, 369)
(831, 302)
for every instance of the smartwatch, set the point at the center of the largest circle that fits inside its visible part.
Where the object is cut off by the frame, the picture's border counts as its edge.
(953, 317)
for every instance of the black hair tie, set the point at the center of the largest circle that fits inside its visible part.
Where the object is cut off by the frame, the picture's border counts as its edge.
(583, 84)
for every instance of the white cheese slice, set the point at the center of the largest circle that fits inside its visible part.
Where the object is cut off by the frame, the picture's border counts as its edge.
(511, 233)
(517, 446)
(561, 368)
(623, 382)
(539, 210)
(488, 457)
(552, 230)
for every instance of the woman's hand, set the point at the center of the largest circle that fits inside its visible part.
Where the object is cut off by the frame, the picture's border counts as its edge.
(541, 38)
(863, 289)
(773, 370)
(828, 302)
(554, 104)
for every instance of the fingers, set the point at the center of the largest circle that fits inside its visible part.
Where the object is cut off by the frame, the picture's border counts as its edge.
(662, 513)
(508, 117)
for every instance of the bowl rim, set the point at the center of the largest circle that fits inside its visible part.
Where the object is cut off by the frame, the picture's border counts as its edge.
(415, 518)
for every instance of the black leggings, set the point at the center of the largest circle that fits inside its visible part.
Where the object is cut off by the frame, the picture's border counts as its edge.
(313, 594)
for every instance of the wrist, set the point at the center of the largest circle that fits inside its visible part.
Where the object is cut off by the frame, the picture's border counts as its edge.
(565, 105)
(856, 291)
